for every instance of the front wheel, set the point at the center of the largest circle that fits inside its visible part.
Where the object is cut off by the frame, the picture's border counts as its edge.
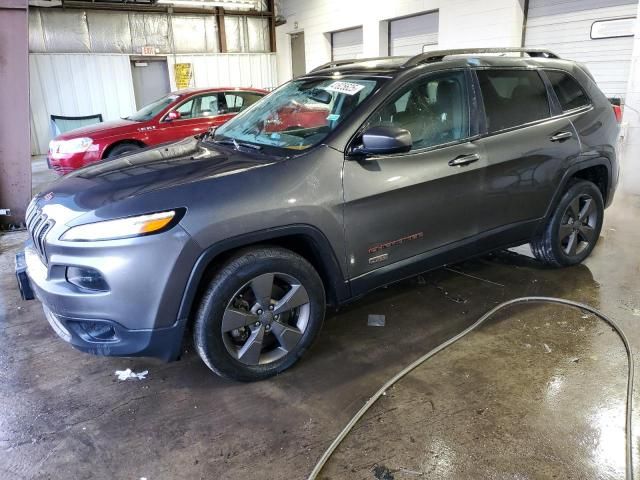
(260, 312)
(573, 229)
(122, 149)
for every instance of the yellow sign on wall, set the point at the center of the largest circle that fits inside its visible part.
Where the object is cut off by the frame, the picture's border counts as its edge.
(183, 72)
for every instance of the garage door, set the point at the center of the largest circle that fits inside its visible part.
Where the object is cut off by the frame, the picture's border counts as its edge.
(589, 31)
(346, 44)
(413, 35)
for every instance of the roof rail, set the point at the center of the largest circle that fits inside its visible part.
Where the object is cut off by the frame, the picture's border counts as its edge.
(338, 63)
(438, 55)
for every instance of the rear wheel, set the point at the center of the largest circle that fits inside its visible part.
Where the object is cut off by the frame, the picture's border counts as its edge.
(573, 230)
(122, 149)
(260, 312)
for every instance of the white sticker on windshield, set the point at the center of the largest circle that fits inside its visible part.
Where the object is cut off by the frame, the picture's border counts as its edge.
(347, 88)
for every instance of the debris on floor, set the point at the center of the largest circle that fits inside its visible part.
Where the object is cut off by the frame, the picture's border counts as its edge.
(129, 374)
(453, 298)
(376, 321)
(473, 276)
(382, 473)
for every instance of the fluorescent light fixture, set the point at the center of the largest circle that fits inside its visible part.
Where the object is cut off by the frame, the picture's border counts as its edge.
(205, 3)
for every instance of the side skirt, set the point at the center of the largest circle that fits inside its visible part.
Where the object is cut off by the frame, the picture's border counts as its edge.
(486, 242)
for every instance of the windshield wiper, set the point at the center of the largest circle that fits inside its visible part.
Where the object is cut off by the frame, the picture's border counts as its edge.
(237, 145)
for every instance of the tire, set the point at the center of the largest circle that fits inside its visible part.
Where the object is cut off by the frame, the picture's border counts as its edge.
(233, 320)
(564, 241)
(122, 149)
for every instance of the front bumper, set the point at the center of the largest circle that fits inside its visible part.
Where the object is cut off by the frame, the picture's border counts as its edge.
(137, 316)
(163, 343)
(65, 163)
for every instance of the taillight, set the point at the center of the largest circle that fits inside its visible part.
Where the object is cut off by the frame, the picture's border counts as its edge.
(617, 110)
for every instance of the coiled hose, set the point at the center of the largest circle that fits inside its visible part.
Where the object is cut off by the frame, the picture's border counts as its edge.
(628, 454)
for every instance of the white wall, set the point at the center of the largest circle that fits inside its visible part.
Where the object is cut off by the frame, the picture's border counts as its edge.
(480, 23)
(463, 23)
(630, 148)
(256, 70)
(79, 84)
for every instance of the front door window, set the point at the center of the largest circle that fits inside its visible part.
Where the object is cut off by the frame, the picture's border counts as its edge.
(434, 110)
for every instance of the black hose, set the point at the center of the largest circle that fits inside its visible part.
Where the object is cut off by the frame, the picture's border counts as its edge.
(629, 458)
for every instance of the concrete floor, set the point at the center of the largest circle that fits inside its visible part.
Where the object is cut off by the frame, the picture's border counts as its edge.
(536, 393)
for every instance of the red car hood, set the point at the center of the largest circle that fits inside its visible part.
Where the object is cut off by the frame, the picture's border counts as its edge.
(100, 130)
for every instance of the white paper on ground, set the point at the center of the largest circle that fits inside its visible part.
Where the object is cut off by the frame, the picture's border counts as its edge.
(129, 374)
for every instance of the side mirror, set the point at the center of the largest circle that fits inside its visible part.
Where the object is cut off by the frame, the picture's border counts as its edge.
(384, 140)
(173, 115)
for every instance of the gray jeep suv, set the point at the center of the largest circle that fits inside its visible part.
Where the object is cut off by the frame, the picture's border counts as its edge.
(356, 175)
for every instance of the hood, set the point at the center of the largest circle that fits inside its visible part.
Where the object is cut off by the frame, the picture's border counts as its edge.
(127, 182)
(97, 130)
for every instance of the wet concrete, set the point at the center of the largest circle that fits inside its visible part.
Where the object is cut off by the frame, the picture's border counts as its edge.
(536, 393)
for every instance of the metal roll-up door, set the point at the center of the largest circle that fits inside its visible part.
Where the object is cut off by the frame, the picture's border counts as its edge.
(567, 28)
(413, 35)
(346, 44)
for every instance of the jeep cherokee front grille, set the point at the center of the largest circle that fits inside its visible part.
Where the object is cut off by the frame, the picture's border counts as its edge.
(38, 225)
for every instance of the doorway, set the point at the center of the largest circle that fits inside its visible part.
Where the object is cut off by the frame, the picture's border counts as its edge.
(298, 62)
(150, 80)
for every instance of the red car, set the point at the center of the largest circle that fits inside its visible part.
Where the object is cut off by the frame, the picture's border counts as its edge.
(178, 115)
(297, 116)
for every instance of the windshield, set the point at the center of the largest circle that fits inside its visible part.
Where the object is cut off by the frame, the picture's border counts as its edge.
(298, 115)
(148, 112)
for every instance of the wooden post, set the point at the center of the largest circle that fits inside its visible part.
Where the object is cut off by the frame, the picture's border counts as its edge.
(222, 34)
(272, 23)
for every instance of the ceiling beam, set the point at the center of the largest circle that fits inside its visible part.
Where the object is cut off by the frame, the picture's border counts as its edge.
(140, 7)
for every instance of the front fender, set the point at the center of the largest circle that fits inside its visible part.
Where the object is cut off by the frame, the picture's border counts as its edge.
(339, 286)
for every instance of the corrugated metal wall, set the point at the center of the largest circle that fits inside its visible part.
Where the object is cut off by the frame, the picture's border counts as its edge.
(86, 31)
(75, 85)
(87, 84)
(565, 28)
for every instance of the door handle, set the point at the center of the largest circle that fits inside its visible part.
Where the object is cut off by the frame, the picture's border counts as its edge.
(558, 137)
(464, 160)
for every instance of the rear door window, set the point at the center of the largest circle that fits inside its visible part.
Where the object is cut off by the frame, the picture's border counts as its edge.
(512, 97)
(234, 102)
(208, 105)
(568, 90)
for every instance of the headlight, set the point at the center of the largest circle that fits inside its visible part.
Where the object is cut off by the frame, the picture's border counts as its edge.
(122, 227)
(75, 145)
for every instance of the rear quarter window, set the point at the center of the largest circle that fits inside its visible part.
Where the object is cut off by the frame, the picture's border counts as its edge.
(512, 97)
(569, 92)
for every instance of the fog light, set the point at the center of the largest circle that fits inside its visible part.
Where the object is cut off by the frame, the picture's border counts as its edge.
(99, 330)
(93, 331)
(87, 278)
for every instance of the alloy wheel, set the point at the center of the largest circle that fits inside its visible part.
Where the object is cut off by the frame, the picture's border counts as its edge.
(577, 229)
(265, 319)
